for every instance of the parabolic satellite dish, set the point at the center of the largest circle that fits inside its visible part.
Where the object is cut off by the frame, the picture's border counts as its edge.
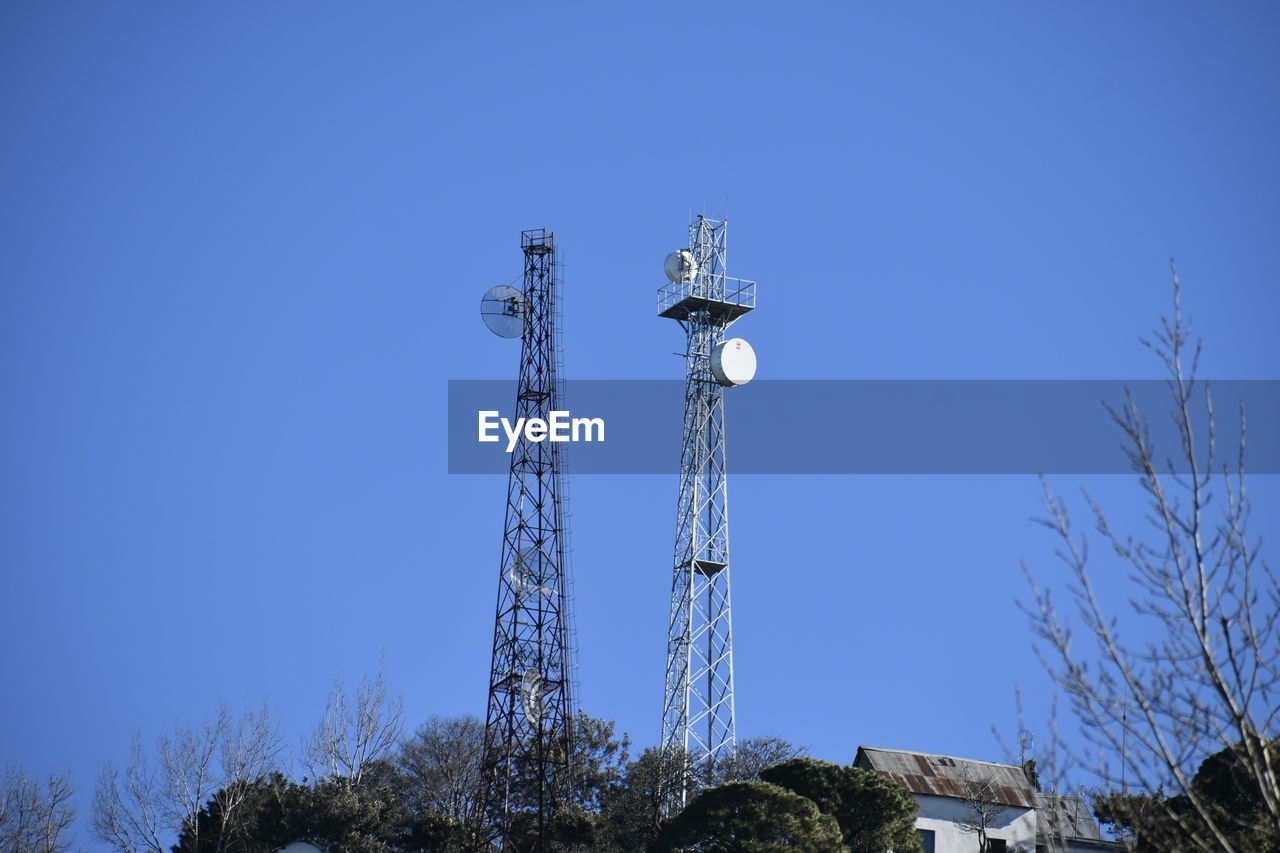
(503, 310)
(524, 573)
(733, 362)
(680, 266)
(531, 695)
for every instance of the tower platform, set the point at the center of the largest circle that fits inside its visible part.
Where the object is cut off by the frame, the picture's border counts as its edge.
(719, 304)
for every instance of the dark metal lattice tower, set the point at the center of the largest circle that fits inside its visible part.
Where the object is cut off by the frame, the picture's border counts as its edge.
(528, 729)
(698, 705)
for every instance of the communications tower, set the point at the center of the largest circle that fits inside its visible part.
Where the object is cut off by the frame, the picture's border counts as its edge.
(698, 713)
(528, 733)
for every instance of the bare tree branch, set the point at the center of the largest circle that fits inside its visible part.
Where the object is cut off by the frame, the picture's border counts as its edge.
(1211, 679)
(441, 763)
(35, 819)
(355, 730)
(193, 765)
(127, 812)
(983, 812)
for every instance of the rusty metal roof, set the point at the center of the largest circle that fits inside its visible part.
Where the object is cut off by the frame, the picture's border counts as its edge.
(945, 776)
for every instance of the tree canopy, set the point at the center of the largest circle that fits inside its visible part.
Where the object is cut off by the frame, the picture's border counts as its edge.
(1151, 823)
(874, 814)
(751, 817)
(217, 787)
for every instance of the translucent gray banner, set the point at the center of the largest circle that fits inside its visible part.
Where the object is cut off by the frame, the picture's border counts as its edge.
(875, 427)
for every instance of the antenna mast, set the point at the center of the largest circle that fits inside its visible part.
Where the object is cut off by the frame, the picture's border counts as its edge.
(528, 735)
(698, 704)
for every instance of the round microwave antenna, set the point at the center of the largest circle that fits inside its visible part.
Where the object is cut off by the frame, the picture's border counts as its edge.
(531, 695)
(524, 573)
(733, 362)
(504, 310)
(680, 266)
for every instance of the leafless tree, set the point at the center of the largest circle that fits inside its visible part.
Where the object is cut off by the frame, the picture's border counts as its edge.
(129, 810)
(635, 811)
(356, 730)
(441, 765)
(982, 810)
(248, 751)
(749, 757)
(157, 797)
(1211, 678)
(187, 767)
(35, 819)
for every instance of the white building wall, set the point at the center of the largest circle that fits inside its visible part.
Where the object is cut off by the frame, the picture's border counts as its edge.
(943, 815)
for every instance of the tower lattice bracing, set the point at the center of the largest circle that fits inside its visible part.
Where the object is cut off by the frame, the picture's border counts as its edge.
(528, 729)
(698, 705)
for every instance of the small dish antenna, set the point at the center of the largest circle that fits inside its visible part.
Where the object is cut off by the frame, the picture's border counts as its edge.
(531, 695)
(504, 310)
(733, 362)
(680, 266)
(524, 573)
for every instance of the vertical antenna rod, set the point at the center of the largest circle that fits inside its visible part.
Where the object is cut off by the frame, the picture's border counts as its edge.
(698, 703)
(528, 730)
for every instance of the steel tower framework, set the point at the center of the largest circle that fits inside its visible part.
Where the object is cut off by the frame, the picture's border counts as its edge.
(698, 705)
(528, 729)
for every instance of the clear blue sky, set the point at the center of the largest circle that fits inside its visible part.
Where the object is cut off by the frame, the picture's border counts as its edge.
(242, 247)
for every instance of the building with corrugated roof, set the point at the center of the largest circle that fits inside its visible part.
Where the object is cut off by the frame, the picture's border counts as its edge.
(957, 796)
(1065, 823)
